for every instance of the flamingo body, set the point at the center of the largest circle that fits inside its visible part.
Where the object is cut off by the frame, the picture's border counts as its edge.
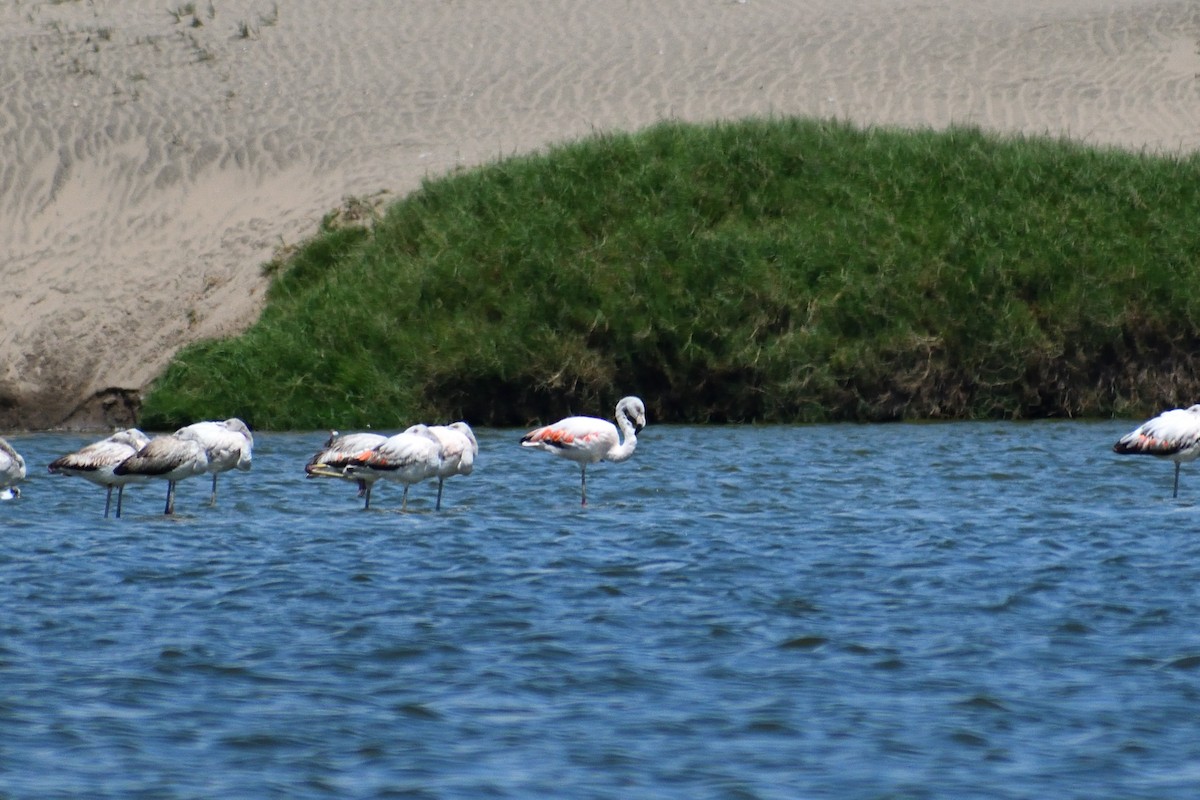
(459, 448)
(338, 453)
(98, 461)
(409, 457)
(12, 471)
(587, 440)
(1173, 435)
(170, 458)
(227, 444)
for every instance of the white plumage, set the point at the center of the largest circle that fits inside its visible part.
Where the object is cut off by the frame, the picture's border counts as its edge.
(12, 471)
(97, 461)
(459, 449)
(227, 444)
(586, 440)
(339, 451)
(1173, 435)
(409, 457)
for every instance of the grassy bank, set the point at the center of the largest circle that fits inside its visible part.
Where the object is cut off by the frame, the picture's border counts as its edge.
(781, 270)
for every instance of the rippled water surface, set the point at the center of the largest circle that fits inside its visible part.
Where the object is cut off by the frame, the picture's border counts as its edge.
(901, 611)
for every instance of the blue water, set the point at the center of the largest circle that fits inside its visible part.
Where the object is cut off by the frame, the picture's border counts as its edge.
(902, 611)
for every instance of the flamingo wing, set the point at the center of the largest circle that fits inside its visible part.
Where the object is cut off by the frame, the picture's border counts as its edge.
(342, 450)
(97, 457)
(403, 451)
(1170, 433)
(166, 457)
(577, 438)
(226, 446)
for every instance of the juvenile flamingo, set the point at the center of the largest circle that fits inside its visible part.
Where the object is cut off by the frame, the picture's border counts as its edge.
(12, 471)
(227, 444)
(1173, 434)
(331, 461)
(586, 440)
(96, 462)
(171, 458)
(409, 457)
(459, 449)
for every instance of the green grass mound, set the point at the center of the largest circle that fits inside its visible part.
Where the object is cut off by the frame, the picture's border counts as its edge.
(767, 270)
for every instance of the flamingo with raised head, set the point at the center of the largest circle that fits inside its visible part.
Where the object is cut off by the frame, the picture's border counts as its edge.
(170, 458)
(227, 444)
(339, 451)
(586, 440)
(97, 461)
(459, 448)
(409, 457)
(1174, 435)
(12, 471)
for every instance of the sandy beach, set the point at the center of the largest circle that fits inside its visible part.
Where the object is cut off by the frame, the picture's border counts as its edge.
(154, 155)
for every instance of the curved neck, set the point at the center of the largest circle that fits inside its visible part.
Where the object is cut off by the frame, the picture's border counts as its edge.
(624, 450)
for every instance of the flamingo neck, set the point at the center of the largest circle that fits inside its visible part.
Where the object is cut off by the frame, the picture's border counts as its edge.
(624, 451)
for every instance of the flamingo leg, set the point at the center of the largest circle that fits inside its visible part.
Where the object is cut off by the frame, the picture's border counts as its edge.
(404, 500)
(107, 500)
(213, 500)
(170, 509)
(365, 491)
(1175, 493)
(583, 483)
(120, 496)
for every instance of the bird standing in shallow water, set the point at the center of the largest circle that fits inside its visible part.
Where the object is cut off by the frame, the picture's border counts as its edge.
(12, 471)
(338, 452)
(586, 440)
(409, 457)
(227, 444)
(459, 449)
(1173, 434)
(97, 461)
(169, 458)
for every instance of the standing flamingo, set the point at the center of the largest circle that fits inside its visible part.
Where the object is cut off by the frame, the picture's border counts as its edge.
(409, 457)
(338, 452)
(1173, 434)
(586, 440)
(171, 458)
(459, 449)
(97, 461)
(227, 444)
(12, 471)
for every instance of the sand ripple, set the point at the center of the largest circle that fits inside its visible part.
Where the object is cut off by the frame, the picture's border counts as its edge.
(150, 164)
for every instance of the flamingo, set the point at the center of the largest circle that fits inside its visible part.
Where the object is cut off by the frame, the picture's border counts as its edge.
(339, 451)
(12, 471)
(586, 440)
(97, 461)
(171, 458)
(227, 444)
(459, 449)
(1173, 434)
(408, 457)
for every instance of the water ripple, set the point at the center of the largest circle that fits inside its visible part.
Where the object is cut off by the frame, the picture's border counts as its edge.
(982, 610)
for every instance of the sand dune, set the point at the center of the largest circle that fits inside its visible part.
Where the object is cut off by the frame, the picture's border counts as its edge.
(154, 158)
